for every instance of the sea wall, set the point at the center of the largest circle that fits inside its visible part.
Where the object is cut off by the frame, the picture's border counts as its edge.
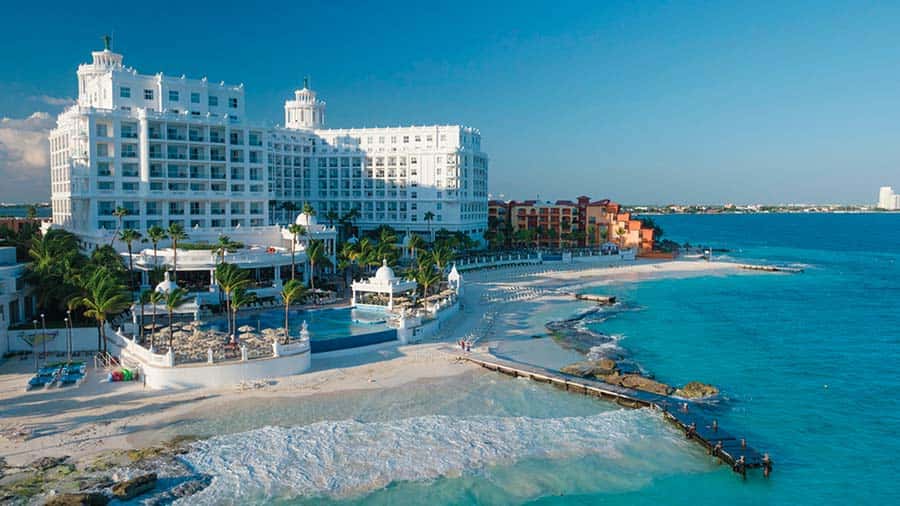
(83, 339)
(159, 374)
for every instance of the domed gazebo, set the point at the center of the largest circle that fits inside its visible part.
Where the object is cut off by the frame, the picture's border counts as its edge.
(383, 282)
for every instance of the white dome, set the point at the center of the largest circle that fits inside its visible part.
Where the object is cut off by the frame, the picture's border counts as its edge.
(166, 285)
(385, 273)
(306, 220)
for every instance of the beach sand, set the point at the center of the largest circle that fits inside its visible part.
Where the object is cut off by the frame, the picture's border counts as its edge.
(99, 416)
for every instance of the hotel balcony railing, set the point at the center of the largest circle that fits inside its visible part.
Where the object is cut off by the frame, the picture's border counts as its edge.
(129, 154)
(198, 157)
(196, 138)
(129, 135)
(216, 139)
(217, 158)
(174, 137)
(177, 156)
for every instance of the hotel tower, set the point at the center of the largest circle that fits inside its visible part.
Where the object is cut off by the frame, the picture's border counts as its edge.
(172, 149)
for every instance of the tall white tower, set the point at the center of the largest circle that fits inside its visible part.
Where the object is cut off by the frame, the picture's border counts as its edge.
(91, 75)
(886, 198)
(305, 112)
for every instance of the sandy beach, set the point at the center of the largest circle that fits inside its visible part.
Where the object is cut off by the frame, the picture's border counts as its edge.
(502, 310)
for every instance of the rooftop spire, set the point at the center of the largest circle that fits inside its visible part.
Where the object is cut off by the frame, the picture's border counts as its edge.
(306, 82)
(107, 42)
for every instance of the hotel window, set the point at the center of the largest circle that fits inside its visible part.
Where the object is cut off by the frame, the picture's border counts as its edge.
(213, 101)
(103, 169)
(125, 92)
(173, 96)
(195, 98)
(101, 130)
(232, 102)
(102, 149)
(148, 94)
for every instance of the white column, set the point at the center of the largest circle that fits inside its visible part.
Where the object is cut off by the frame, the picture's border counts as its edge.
(391, 299)
(144, 152)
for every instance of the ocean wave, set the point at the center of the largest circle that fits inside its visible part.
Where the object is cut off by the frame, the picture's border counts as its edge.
(349, 458)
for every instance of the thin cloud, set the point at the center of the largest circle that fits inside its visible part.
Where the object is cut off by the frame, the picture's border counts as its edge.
(58, 101)
(25, 157)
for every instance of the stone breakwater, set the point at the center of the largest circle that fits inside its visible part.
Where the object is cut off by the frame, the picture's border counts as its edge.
(610, 363)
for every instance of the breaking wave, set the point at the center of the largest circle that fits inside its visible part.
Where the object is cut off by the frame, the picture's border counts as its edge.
(349, 458)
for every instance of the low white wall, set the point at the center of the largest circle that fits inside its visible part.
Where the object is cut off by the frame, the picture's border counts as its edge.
(292, 359)
(83, 339)
(418, 333)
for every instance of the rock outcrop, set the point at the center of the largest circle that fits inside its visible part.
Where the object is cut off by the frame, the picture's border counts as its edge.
(595, 368)
(129, 489)
(696, 390)
(84, 499)
(45, 463)
(638, 382)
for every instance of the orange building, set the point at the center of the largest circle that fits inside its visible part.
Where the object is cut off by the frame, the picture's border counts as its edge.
(564, 223)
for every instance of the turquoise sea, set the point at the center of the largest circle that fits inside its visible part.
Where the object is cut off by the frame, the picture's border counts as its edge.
(807, 363)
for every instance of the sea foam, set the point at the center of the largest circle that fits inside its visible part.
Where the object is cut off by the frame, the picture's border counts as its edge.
(349, 458)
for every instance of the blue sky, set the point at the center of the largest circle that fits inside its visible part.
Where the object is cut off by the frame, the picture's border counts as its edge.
(642, 102)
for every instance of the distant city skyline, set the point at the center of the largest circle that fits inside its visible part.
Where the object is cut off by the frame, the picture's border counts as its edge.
(648, 103)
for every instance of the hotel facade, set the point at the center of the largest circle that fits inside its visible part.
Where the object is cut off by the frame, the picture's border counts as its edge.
(565, 223)
(178, 150)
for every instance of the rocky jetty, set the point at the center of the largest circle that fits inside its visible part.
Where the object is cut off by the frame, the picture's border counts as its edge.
(591, 368)
(638, 382)
(696, 390)
(608, 371)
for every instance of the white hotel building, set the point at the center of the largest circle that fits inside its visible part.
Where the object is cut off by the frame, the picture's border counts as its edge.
(172, 149)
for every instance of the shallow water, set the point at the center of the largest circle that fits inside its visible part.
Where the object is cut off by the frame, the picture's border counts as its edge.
(771, 342)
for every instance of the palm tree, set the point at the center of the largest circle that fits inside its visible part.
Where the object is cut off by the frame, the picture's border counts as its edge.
(427, 276)
(143, 299)
(174, 299)
(347, 221)
(155, 298)
(296, 231)
(240, 298)
(231, 278)
(119, 213)
(105, 297)
(308, 209)
(223, 245)
(331, 216)
(176, 233)
(291, 292)
(416, 244)
(315, 254)
(156, 234)
(128, 236)
(441, 257)
(620, 232)
(429, 217)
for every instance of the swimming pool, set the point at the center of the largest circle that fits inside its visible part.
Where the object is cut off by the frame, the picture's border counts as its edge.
(329, 329)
